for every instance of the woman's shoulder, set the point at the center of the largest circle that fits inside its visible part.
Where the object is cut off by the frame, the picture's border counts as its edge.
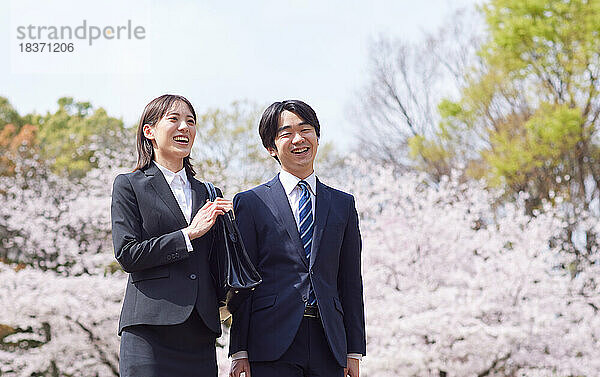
(127, 178)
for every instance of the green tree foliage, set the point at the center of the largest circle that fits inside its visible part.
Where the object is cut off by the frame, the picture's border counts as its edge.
(518, 107)
(227, 149)
(548, 53)
(397, 112)
(8, 115)
(528, 116)
(18, 137)
(71, 136)
(66, 140)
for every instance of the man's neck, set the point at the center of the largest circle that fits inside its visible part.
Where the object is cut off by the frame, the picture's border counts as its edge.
(300, 175)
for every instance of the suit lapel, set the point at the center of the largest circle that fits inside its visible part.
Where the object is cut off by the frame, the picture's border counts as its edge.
(278, 203)
(322, 204)
(160, 185)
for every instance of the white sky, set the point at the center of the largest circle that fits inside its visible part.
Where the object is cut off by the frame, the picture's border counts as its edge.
(211, 52)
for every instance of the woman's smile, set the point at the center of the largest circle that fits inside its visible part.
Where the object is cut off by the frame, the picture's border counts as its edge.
(181, 139)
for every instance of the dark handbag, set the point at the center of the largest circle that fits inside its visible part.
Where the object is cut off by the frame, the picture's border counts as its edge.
(234, 274)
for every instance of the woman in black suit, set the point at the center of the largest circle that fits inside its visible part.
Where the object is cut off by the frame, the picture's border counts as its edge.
(162, 234)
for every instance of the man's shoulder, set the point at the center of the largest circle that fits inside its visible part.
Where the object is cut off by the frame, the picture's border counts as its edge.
(255, 191)
(337, 194)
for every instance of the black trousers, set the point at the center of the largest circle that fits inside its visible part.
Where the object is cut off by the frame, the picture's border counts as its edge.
(184, 350)
(309, 355)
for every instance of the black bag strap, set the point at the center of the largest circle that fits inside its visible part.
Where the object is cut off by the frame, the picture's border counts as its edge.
(212, 192)
(212, 196)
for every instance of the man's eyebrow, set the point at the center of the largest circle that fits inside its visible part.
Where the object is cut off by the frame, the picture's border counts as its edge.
(288, 126)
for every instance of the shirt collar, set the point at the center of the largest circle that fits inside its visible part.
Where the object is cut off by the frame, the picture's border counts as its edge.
(290, 182)
(170, 176)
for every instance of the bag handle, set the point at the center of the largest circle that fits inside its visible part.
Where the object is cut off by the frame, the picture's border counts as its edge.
(229, 226)
(212, 192)
(212, 195)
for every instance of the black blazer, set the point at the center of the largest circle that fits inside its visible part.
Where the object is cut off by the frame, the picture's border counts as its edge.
(166, 282)
(265, 325)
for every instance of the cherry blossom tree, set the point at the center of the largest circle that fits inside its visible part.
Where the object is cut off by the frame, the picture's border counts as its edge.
(57, 223)
(454, 285)
(56, 325)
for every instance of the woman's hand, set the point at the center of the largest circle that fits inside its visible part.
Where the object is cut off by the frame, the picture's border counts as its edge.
(206, 217)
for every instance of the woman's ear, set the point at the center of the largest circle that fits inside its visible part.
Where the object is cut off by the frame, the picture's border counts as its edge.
(272, 152)
(148, 131)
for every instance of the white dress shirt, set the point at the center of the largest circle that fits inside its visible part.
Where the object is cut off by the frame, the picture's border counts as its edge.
(182, 190)
(293, 193)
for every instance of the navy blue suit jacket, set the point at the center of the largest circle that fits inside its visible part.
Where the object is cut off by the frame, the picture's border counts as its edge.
(266, 323)
(166, 282)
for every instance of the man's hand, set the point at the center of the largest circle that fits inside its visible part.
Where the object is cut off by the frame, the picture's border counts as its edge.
(206, 217)
(239, 366)
(352, 369)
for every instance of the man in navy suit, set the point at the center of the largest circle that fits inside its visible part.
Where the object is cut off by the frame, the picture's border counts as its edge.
(307, 316)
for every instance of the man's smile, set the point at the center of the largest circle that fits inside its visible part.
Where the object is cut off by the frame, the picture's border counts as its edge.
(300, 150)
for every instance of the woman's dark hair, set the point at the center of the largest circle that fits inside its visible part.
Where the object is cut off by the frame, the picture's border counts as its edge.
(153, 113)
(269, 123)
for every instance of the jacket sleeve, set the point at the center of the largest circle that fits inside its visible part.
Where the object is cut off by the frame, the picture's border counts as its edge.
(350, 285)
(238, 338)
(132, 251)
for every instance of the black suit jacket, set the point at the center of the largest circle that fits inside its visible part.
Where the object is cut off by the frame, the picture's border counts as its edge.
(166, 282)
(266, 323)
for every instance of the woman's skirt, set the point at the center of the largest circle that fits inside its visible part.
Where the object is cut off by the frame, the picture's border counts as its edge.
(184, 350)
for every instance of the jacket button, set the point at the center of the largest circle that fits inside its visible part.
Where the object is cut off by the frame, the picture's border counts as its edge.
(193, 276)
(169, 257)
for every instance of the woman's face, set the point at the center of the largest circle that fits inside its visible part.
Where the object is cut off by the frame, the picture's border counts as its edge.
(173, 136)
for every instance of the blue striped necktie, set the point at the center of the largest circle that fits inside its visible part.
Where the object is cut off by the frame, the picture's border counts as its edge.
(306, 229)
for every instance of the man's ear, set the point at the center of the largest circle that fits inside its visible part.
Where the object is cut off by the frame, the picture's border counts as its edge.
(148, 131)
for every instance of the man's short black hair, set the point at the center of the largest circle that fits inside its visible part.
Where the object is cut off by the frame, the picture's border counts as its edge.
(269, 123)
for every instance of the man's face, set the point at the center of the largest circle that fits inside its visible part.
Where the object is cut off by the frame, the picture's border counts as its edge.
(296, 142)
